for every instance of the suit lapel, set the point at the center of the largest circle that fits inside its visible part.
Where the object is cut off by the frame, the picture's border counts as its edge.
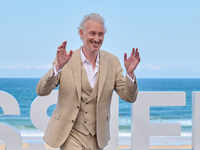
(103, 65)
(76, 67)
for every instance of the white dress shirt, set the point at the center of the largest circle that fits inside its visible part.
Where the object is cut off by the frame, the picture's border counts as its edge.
(91, 74)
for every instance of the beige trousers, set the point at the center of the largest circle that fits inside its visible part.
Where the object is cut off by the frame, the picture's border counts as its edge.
(78, 141)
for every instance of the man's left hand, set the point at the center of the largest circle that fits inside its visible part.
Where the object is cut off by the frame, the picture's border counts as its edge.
(132, 62)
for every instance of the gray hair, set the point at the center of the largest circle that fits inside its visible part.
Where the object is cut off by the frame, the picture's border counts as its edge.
(93, 17)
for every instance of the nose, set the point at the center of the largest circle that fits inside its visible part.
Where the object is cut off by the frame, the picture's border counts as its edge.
(96, 38)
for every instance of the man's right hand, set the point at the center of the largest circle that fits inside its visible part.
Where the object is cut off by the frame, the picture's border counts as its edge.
(62, 56)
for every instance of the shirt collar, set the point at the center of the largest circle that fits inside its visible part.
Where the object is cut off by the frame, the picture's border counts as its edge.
(84, 59)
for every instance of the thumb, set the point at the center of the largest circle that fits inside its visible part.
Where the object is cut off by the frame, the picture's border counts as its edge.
(71, 52)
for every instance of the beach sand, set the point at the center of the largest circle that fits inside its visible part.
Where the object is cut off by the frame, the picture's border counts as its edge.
(172, 147)
(25, 147)
(125, 143)
(161, 147)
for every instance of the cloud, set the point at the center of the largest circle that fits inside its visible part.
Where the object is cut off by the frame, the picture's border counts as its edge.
(12, 67)
(153, 67)
(26, 67)
(149, 67)
(43, 66)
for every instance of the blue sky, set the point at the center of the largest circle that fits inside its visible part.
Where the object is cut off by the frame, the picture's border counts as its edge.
(167, 33)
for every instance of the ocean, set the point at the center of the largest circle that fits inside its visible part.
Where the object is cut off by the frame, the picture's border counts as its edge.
(23, 89)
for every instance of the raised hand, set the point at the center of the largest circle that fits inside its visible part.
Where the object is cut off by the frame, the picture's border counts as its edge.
(62, 56)
(132, 62)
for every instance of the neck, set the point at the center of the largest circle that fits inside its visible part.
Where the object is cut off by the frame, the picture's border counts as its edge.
(90, 55)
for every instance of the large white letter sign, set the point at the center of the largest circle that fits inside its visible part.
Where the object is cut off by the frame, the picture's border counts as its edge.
(141, 128)
(114, 127)
(195, 120)
(39, 117)
(8, 134)
(38, 112)
(11, 137)
(9, 104)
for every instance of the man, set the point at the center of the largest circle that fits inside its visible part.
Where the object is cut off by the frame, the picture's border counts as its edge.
(87, 78)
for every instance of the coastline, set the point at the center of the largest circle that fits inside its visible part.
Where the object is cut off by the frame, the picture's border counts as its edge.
(125, 142)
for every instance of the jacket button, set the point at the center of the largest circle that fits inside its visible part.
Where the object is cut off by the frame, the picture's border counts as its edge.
(87, 103)
(85, 112)
(78, 107)
(72, 121)
(85, 121)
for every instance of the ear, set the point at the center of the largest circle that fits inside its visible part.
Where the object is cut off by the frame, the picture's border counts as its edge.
(81, 33)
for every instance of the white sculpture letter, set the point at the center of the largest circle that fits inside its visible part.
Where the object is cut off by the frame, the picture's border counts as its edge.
(114, 127)
(141, 128)
(39, 108)
(195, 120)
(8, 134)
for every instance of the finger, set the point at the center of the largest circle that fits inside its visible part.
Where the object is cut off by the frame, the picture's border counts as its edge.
(133, 51)
(60, 51)
(137, 53)
(71, 52)
(125, 56)
(64, 44)
(59, 47)
(139, 59)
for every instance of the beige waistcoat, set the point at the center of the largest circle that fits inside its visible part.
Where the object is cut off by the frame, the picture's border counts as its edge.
(86, 119)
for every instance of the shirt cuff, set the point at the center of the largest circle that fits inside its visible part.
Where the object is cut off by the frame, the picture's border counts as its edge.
(132, 80)
(55, 71)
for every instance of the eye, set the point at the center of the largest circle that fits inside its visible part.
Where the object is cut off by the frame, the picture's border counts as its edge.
(92, 33)
(101, 34)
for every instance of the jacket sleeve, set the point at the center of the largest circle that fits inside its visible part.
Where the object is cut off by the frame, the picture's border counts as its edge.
(125, 88)
(48, 82)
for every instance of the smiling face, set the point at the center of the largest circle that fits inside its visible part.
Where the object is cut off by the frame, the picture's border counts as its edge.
(92, 36)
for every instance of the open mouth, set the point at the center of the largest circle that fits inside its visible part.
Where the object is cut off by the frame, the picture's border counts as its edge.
(95, 43)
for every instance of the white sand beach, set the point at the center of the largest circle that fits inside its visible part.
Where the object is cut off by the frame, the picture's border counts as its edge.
(124, 143)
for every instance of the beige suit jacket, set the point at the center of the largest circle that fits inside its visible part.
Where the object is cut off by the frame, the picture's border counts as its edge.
(69, 97)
